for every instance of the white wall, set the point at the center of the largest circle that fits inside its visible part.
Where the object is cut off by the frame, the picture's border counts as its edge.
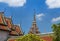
(3, 35)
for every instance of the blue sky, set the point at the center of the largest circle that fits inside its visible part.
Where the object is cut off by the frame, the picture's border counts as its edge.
(22, 11)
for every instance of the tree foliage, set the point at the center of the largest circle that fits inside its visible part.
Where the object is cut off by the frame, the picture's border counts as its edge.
(29, 37)
(56, 30)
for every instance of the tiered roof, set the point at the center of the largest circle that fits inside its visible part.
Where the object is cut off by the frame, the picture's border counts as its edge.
(17, 31)
(7, 25)
(3, 24)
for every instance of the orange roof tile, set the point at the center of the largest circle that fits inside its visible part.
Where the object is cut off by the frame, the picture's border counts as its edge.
(9, 22)
(16, 31)
(8, 26)
(4, 28)
(1, 21)
(13, 32)
(47, 38)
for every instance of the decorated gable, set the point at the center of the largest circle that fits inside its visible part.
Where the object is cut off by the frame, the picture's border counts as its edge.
(2, 19)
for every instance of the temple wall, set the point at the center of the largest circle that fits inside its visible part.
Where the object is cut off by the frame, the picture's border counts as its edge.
(3, 35)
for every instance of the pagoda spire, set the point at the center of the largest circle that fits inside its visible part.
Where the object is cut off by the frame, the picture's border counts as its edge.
(34, 16)
(34, 28)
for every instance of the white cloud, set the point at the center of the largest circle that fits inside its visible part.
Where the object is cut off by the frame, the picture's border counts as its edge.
(14, 3)
(56, 19)
(39, 16)
(53, 3)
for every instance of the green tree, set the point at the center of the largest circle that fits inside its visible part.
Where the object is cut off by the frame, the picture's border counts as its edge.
(56, 30)
(29, 37)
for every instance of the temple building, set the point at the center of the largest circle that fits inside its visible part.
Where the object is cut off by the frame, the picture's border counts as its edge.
(34, 30)
(8, 29)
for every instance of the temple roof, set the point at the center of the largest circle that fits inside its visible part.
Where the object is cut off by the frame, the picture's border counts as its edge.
(47, 38)
(17, 31)
(9, 22)
(4, 28)
(7, 25)
(3, 24)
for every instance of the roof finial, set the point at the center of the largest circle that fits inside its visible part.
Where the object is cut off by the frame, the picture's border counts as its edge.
(21, 26)
(34, 15)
